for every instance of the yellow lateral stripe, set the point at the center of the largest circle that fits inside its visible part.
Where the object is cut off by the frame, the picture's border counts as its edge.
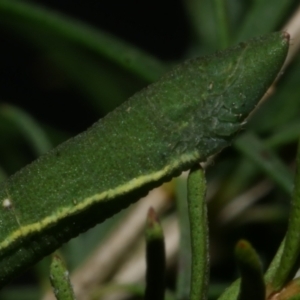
(110, 194)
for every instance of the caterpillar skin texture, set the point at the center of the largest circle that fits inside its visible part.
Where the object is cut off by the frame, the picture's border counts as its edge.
(190, 113)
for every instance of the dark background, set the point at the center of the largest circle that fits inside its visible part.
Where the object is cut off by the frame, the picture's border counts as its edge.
(31, 81)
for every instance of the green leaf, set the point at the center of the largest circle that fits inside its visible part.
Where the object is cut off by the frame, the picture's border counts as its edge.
(290, 257)
(273, 115)
(185, 253)
(199, 233)
(252, 281)
(191, 113)
(60, 281)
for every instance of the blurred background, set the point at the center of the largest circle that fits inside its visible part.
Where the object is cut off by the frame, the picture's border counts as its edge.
(66, 64)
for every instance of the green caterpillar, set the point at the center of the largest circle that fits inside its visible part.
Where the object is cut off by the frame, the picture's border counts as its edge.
(190, 113)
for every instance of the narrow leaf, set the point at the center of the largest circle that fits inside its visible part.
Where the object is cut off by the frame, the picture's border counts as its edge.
(60, 281)
(289, 262)
(199, 233)
(252, 281)
(185, 256)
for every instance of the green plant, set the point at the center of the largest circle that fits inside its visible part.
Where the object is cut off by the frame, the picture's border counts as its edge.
(61, 41)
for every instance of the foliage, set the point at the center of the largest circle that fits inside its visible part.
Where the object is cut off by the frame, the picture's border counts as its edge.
(83, 72)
